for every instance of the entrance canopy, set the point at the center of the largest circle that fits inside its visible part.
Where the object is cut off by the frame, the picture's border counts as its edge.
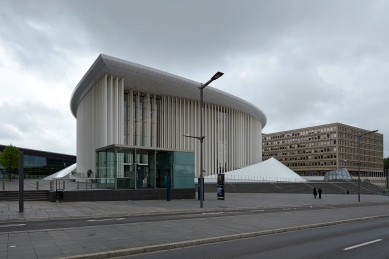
(339, 174)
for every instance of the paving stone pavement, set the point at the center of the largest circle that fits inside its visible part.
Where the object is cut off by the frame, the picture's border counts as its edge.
(92, 239)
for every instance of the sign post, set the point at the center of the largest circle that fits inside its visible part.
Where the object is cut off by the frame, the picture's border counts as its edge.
(21, 182)
(168, 187)
(220, 186)
(199, 188)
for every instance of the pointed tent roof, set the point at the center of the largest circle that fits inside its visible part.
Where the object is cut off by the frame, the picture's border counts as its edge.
(270, 170)
(61, 174)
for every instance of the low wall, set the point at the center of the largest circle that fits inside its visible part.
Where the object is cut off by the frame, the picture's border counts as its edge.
(303, 188)
(123, 195)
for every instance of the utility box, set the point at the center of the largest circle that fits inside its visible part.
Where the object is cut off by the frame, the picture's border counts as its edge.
(60, 195)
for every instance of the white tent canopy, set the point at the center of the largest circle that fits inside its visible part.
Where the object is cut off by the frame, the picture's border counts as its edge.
(270, 170)
(61, 174)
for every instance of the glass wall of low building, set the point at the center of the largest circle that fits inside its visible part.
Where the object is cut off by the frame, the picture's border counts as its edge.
(37, 167)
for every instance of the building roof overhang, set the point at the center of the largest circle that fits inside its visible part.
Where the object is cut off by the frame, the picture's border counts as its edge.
(145, 79)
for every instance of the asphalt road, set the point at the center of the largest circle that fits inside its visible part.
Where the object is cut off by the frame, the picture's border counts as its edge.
(368, 239)
(103, 221)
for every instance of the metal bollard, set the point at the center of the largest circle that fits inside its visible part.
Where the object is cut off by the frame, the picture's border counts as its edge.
(78, 185)
(63, 185)
(3, 186)
(37, 185)
(51, 185)
(91, 184)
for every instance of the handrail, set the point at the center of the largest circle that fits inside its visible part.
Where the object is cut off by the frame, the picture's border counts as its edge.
(380, 183)
(338, 186)
(231, 185)
(257, 178)
(276, 186)
(363, 187)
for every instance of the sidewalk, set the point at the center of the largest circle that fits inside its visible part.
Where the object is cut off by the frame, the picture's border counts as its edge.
(41, 210)
(100, 239)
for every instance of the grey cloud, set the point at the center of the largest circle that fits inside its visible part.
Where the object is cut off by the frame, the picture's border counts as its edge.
(41, 37)
(36, 126)
(282, 45)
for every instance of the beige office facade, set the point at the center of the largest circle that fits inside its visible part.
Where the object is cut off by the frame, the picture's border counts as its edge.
(313, 151)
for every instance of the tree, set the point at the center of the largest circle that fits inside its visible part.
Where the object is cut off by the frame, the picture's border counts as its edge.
(386, 163)
(10, 158)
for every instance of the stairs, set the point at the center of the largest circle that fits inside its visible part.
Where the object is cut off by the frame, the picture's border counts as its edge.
(303, 188)
(28, 195)
(294, 187)
(243, 188)
(374, 188)
(328, 188)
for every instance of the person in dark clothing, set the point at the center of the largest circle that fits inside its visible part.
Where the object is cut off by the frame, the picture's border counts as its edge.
(314, 192)
(319, 192)
(89, 173)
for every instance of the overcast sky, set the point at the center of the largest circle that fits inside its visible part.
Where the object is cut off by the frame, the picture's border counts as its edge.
(303, 63)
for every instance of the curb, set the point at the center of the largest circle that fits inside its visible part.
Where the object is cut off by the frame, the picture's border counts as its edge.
(183, 244)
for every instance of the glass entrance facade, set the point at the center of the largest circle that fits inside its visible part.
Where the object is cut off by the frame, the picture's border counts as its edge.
(126, 167)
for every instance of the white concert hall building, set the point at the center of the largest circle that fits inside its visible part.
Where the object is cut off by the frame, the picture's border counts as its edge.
(131, 122)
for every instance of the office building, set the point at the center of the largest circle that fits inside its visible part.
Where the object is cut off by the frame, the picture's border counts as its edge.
(313, 151)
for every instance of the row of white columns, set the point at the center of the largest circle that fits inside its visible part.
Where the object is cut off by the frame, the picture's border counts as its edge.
(99, 120)
(233, 138)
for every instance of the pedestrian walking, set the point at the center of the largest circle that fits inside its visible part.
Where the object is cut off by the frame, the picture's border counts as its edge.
(314, 192)
(319, 192)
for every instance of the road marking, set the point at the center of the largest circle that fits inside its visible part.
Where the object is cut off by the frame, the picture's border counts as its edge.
(255, 210)
(105, 219)
(212, 212)
(367, 243)
(12, 225)
(289, 208)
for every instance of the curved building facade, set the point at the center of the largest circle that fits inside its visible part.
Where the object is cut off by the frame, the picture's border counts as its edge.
(123, 105)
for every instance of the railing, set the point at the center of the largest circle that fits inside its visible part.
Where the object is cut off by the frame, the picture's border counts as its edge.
(379, 181)
(5, 176)
(233, 186)
(123, 183)
(76, 174)
(384, 193)
(276, 186)
(245, 178)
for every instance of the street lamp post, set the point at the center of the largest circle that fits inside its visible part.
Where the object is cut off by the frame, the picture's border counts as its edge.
(201, 138)
(387, 178)
(359, 162)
